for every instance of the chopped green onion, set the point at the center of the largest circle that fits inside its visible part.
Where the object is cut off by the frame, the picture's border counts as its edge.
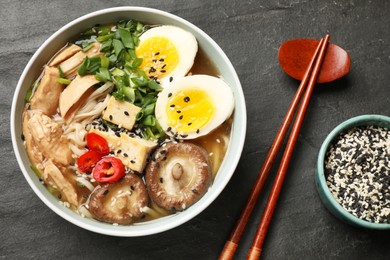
(105, 37)
(28, 95)
(63, 81)
(140, 27)
(103, 75)
(86, 48)
(89, 65)
(126, 38)
(139, 115)
(106, 46)
(118, 46)
(140, 81)
(118, 72)
(153, 85)
(129, 93)
(104, 62)
(62, 74)
(136, 40)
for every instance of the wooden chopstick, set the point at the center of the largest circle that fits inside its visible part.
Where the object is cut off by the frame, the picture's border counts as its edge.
(255, 250)
(232, 243)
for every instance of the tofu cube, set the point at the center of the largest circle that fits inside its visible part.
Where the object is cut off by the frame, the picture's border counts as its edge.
(135, 151)
(121, 113)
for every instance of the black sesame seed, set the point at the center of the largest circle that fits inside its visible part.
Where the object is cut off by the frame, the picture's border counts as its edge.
(119, 151)
(170, 79)
(59, 196)
(183, 136)
(157, 53)
(178, 111)
(132, 161)
(163, 71)
(197, 131)
(110, 117)
(118, 134)
(181, 117)
(126, 113)
(169, 128)
(173, 105)
(125, 155)
(195, 191)
(22, 137)
(164, 66)
(169, 94)
(161, 180)
(189, 124)
(132, 187)
(152, 70)
(154, 60)
(162, 61)
(105, 192)
(186, 99)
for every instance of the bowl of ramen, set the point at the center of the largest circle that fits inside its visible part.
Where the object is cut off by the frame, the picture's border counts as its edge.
(128, 121)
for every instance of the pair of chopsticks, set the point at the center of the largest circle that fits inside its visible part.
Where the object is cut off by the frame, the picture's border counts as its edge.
(307, 84)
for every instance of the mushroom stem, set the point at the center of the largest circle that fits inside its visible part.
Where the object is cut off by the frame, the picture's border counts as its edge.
(177, 171)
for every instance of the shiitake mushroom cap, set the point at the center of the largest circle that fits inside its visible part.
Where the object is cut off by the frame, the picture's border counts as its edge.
(120, 202)
(178, 175)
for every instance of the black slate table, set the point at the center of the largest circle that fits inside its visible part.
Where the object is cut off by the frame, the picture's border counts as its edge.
(250, 32)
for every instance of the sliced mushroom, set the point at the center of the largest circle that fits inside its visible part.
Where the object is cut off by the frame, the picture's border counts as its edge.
(64, 54)
(48, 92)
(121, 202)
(70, 66)
(178, 175)
(75, 94)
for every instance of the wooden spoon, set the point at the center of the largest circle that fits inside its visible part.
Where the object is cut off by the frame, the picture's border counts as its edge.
(295, 56)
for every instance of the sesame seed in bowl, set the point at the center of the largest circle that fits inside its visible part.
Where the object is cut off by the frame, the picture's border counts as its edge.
(353, 171)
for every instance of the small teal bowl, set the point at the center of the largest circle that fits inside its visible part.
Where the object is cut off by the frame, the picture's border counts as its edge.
(326, 196)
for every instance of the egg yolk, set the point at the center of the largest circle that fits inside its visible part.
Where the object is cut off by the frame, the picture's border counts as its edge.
(159, 56)
(189, 109)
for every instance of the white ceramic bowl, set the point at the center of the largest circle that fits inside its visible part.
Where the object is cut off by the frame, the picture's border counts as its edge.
(150, 16)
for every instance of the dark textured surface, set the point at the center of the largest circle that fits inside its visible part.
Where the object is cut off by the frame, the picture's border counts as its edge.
(250, 33)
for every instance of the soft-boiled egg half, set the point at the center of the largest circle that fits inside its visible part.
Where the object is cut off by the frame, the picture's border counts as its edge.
(193, 106)
(168, 53)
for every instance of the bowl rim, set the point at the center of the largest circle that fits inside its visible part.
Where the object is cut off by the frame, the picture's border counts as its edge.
(321, 180)
(125, 231)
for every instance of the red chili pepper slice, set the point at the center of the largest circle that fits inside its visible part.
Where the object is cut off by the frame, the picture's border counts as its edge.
(97, 143)
(109, 169)
(87, 161)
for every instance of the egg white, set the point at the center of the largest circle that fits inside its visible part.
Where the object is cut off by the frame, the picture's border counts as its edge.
(220, 95)
(186, 46)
